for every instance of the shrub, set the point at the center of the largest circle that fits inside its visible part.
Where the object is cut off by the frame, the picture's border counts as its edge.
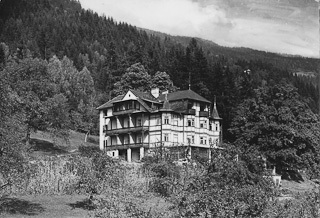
(89, 151)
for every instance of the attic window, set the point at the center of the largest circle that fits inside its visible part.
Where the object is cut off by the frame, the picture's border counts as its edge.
(129, 95)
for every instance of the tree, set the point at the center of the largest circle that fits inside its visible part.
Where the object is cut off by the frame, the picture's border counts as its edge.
(30, 85)
(278, 124)
(136, 77)
(11, 134)
(226, 188)
(57, 117)
(162, 81)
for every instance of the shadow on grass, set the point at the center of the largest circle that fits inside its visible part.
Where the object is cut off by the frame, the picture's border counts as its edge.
(18, 206)
(85, 204)
(292, 175)
(46, 146)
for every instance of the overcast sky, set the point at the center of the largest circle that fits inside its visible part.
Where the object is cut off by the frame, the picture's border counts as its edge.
(283, 26)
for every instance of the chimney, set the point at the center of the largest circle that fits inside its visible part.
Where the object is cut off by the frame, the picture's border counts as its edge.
(155, 92)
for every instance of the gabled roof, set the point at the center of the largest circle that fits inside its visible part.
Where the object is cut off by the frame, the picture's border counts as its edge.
(110, 103)
(144, 96)
(185, 94)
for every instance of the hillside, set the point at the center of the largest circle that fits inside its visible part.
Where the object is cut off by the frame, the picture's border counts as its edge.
(213, 50)
(61, 28)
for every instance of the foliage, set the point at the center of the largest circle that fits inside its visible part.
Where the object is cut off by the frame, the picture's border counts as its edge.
(89, 151)
(227, 189)
(162, 81)
(136, 77)
(12, 150)
(302, 205)
(279, 125)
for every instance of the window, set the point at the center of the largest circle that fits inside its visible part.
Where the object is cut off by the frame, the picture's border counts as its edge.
(217, 126)
(158, 121)
(203, 140)
(166, 120)
(210, 126)
(190, 139)
(166, 137)
(203, 124)
(128, 122)
(139, 122)
(210, 141)
(137, 106)
(190, 122)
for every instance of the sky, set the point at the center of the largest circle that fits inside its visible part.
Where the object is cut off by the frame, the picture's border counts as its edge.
(281, 26)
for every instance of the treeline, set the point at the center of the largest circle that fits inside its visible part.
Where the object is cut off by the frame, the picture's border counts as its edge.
(62, 61)
(107, 48)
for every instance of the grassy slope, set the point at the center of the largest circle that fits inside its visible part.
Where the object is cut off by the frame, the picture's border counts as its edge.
(19, 206)
(51, 206)
(47, 206)
(44, 144)
(77, 205)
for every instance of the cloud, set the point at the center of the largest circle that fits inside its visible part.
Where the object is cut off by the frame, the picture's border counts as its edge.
(183, 17)
(274, 25)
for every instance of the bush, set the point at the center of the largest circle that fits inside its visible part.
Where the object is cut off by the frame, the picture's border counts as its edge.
(89, 151)
(94, 140)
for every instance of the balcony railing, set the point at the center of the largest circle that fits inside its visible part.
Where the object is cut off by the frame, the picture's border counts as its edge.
(129, 111)
(203, 114)
(126, 146)
(190, 112)
(127, 130)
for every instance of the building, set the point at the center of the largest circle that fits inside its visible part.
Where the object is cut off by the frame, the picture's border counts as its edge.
(131, 125)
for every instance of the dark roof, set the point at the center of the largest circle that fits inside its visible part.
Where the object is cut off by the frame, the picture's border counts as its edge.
(144, 95)
(215, 114)
(144, 105)
(185, 94)
(110, 103)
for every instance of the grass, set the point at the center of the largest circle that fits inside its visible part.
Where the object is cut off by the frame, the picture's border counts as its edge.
(45, 206)
(77, 205)
(50, 206)
(43, 144)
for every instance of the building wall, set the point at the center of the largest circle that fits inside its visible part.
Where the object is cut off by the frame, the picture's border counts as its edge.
(168, 128)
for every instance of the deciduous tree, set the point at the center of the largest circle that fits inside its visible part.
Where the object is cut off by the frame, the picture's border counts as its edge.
(280, 125)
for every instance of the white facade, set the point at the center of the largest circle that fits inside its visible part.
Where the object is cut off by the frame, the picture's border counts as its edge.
(133, 124)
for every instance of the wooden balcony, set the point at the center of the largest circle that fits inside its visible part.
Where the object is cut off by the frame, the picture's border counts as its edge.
(203, 114)
(127, 130)
(190, 112)
(125, 112)
(126, 146)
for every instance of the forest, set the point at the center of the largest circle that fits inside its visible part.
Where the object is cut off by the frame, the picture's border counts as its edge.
(59, 62)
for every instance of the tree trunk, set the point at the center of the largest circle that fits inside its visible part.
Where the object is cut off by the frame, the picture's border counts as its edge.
(28, 137)
(86, 137)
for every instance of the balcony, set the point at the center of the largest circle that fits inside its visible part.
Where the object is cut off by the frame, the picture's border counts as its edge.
(123, 112)
(190, 112)
(126, 146)
(126, 130)
(203, 114)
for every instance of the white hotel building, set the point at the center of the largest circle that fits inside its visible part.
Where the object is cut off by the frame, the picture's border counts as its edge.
(134, 123)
